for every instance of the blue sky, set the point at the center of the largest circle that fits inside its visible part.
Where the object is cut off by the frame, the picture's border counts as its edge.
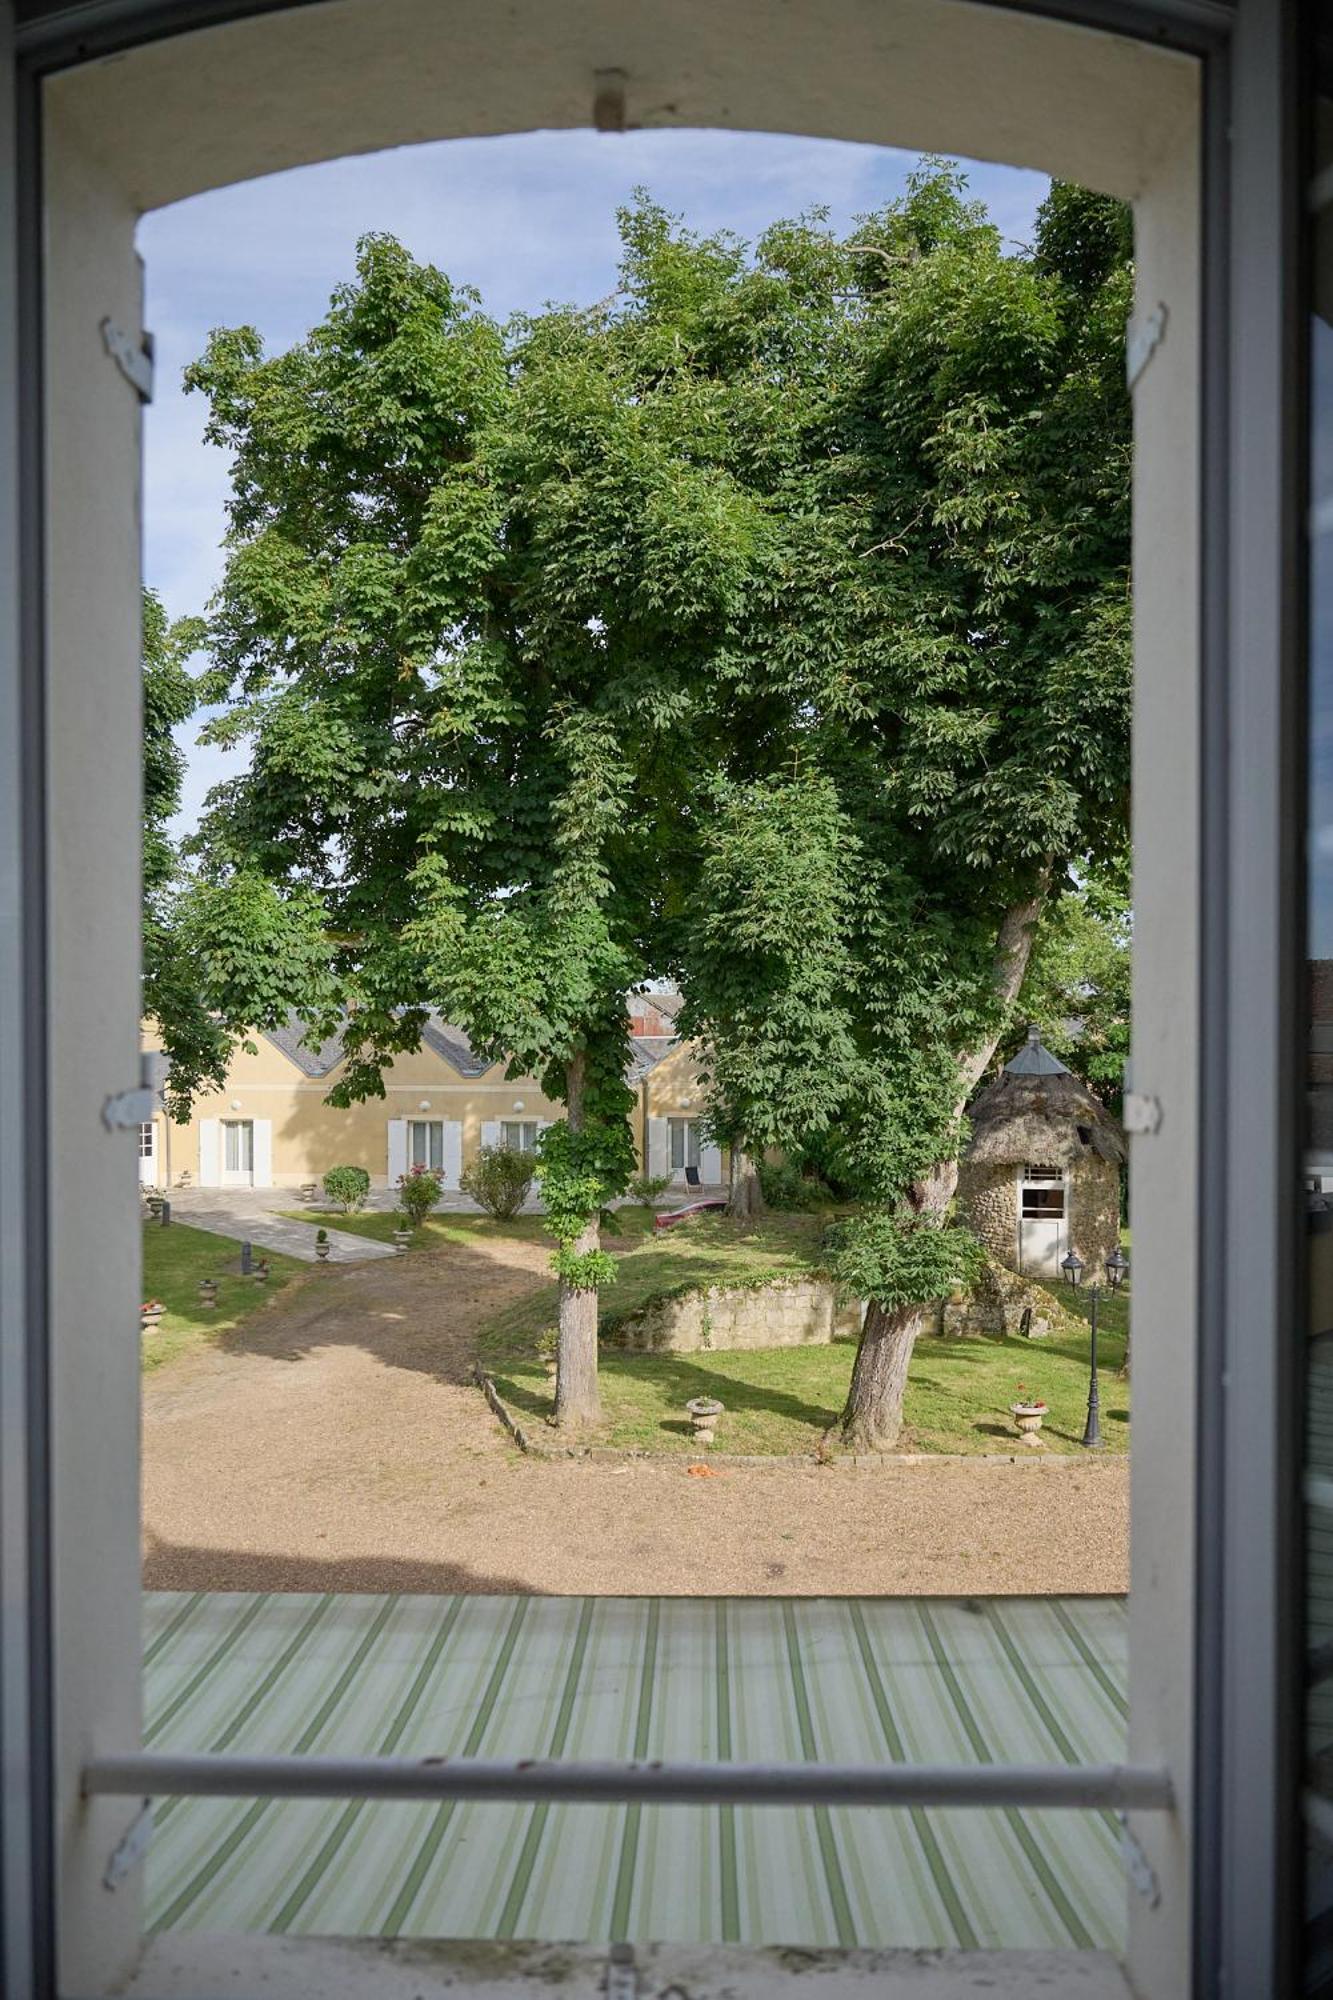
(525, 219)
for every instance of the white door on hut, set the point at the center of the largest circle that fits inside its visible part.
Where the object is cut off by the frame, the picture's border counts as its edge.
(1042, 1203)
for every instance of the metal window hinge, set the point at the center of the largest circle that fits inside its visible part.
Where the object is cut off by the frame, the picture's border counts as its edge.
(1142, 1112)
(1137, 1865)
(137, 1107)
(1143, 340)
(134, 363)
(131, 1848)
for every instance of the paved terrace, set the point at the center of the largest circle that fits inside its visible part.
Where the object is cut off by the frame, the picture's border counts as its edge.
(1011, 1680)
(266, 1217)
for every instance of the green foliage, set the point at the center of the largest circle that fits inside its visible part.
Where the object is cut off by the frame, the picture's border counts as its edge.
(901, 1260)
(419, 1190)
(196, 1045)
(1077, 989)
(498, 1179)
(645, 1188)
(767, 626)
(348, 1186)
(787, 1186)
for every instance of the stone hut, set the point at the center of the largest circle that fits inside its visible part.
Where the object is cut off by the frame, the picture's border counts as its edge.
(1042, 1170)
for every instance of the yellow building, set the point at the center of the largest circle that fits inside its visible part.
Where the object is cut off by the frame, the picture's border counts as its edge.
(272, 1125)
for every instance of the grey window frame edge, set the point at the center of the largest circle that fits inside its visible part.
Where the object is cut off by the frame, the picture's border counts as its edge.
(1252, 1281)
(1245, 1870)
(27, 1907)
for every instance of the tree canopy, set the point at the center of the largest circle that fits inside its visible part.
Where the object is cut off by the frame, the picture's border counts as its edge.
(765, 625)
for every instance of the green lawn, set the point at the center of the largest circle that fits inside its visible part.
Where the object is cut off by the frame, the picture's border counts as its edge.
(174, 1260)
(435, 1232)
(782, 1400)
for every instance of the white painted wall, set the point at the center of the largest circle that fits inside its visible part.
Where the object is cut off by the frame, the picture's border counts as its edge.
(193, 111)
(1165, 1168)
(94, 836)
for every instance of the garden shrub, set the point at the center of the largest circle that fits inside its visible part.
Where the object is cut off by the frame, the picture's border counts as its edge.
(348, 1186)
(645, 1188)
(786, 1186)
(418, 1192)
(498, 1179)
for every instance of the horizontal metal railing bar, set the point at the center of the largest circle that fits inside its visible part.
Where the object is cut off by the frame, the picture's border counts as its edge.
(157, 1774)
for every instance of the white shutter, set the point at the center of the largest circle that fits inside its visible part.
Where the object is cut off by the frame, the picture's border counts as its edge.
(659, 1147)
(210, 1152)
(490, 1132)
(263, 1152)
(710, 1165)
(453, 1151)
(397, 1150)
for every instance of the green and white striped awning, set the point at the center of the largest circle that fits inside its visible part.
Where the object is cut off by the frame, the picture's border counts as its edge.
(1015, 1680)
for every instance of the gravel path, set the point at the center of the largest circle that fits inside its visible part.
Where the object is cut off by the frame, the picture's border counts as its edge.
(336, 1442)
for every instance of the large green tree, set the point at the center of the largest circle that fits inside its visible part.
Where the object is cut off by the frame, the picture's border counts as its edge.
(908, 716)
(766, 625)
(195, 1042)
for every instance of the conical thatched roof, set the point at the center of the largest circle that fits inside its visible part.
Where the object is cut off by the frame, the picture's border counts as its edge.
(1037, 1112)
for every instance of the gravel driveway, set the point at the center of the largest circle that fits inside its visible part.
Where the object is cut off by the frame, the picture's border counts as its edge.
(337, 1442)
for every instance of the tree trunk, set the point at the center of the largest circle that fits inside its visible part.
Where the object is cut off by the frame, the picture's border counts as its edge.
(873, 1417)
(577, 1402)
(745, 1197)
(874, 1413)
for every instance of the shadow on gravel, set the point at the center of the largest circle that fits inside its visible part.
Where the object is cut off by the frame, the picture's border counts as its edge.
(178, 1566)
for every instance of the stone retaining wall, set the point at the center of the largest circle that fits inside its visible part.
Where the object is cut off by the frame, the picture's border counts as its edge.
(1003, 1302)
(800, 1312)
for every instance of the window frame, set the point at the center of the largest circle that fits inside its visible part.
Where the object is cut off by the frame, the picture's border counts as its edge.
(1247, 1588)
(432, 1127)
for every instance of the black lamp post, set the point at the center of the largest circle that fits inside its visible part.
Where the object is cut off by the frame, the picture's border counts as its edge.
(1072, 1266)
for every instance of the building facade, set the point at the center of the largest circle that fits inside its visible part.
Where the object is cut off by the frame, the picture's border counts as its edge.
(273, 1126)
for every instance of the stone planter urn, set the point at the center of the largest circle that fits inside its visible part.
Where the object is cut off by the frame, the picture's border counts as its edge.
(208, 1293)
(322, 1247)
(401, 1239)
(149, 1314)
(1028, 1417)
(260, 1272)
(704, 1412)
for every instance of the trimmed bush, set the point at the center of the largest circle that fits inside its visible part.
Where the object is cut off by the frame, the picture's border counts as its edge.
(348, 1186)
(418, 1192)
(498, 1179)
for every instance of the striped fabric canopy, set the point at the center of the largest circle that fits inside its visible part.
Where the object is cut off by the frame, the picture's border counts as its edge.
(1016, 1680)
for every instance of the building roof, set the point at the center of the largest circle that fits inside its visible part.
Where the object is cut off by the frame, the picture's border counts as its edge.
(1034, 1060)
(647, 1051)
(311, 1058)
(316, 1059)
(1038, 1111)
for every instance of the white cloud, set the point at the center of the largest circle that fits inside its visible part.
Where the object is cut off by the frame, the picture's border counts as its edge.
(524, 219)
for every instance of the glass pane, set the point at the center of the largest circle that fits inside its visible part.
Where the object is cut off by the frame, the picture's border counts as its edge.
(510, 1136)
(677, 1144)
(692, 1156)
